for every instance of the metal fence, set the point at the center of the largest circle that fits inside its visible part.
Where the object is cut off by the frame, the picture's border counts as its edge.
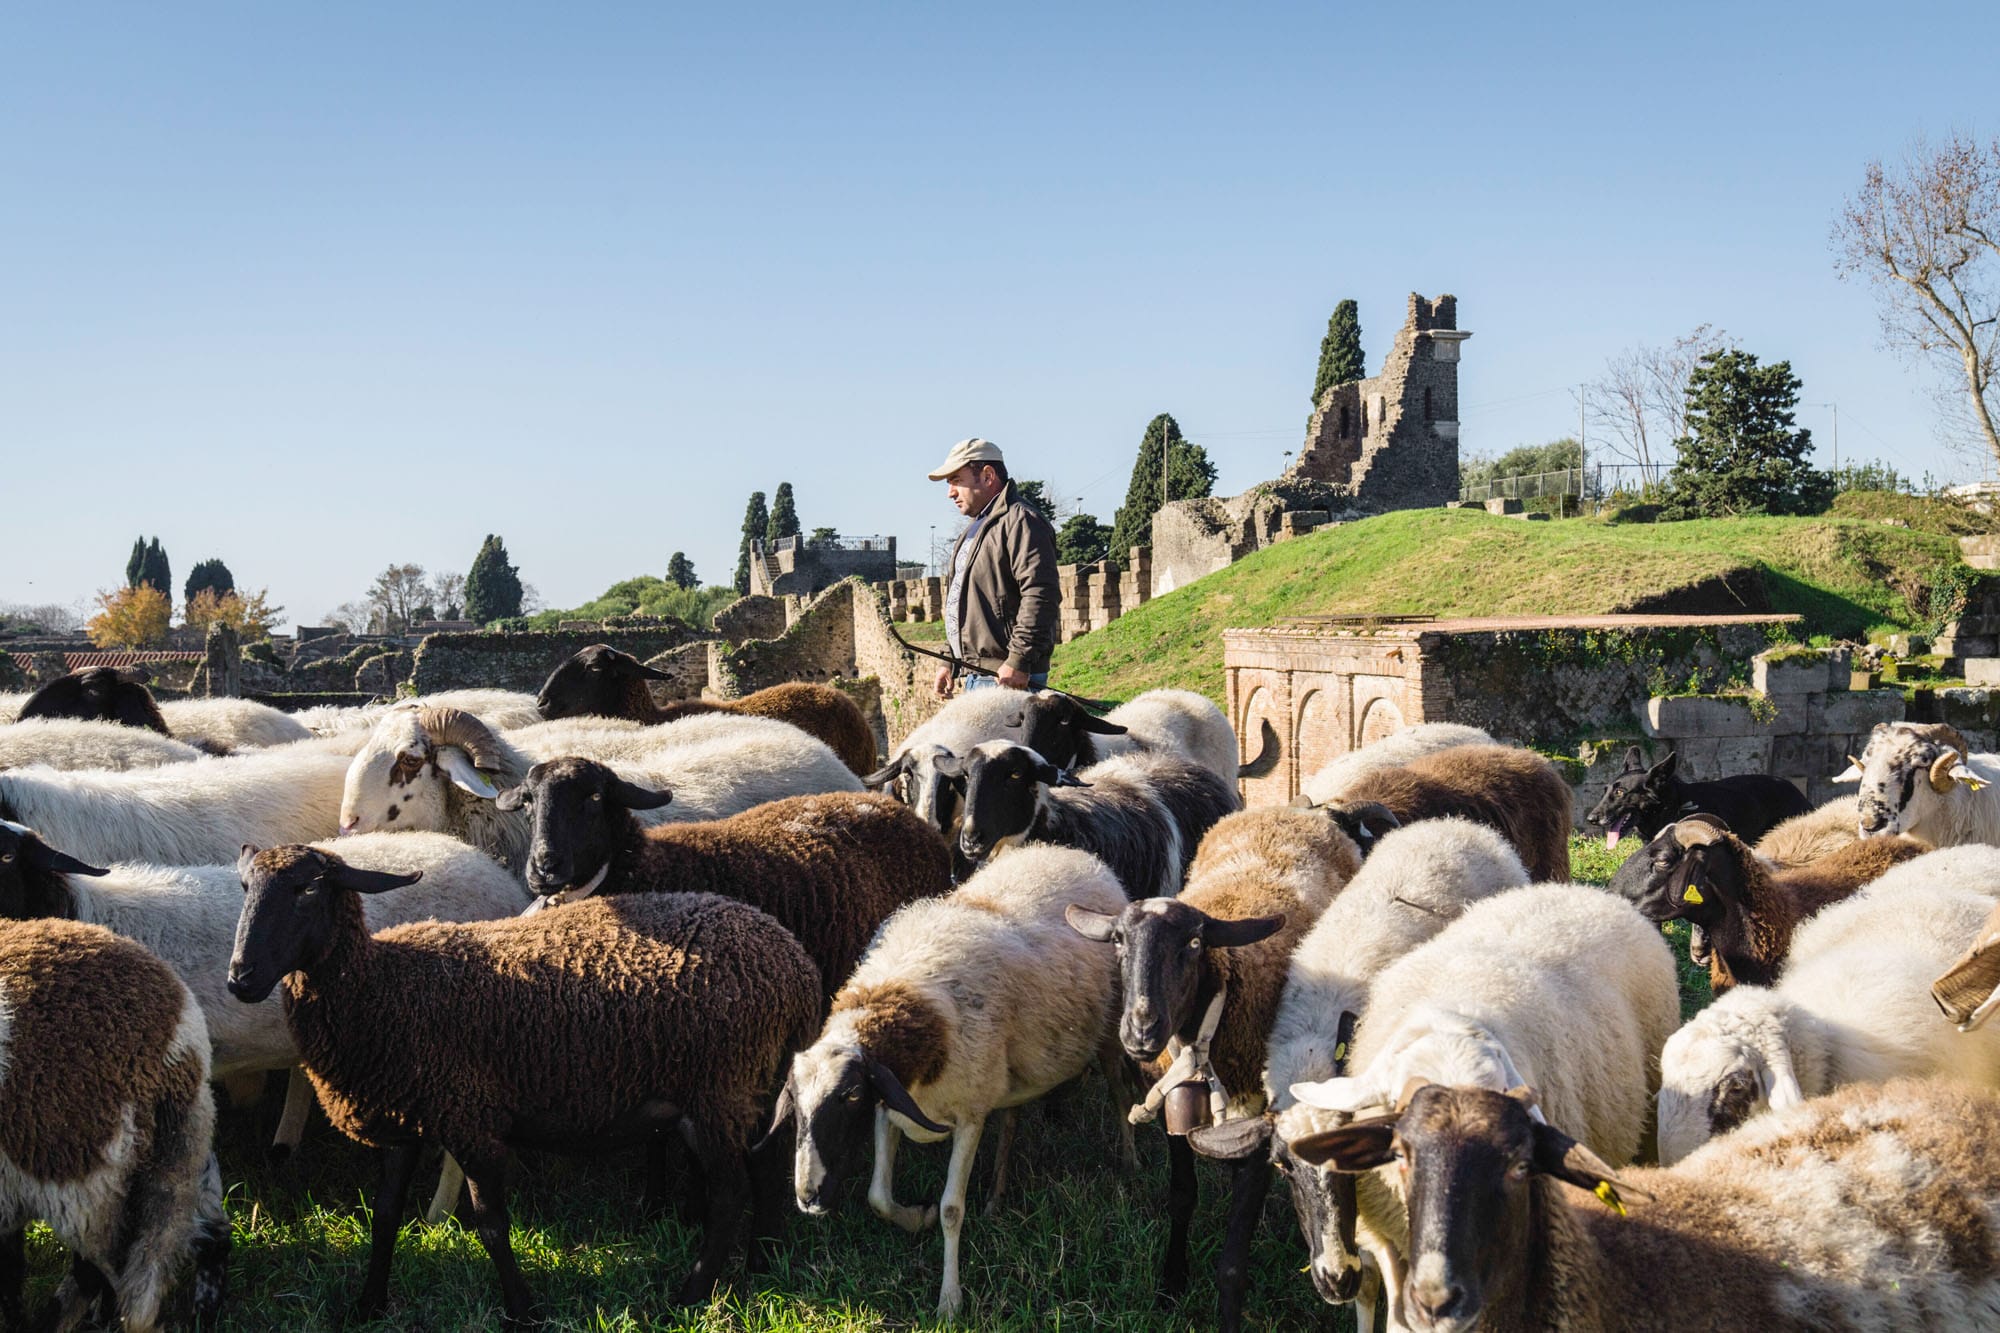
(1592, 483)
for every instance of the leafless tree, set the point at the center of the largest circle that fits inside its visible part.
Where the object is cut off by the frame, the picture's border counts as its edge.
(1639, 404)
(1926, 231)
(354, 617)
(52, 617)
(396, 594)
(448, 595)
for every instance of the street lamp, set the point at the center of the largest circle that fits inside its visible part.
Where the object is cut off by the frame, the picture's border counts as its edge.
(933, 551)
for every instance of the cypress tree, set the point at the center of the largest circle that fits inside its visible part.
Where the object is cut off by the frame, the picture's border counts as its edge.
(208, 576)
(135, 563)
(154, 571)
(492, 585)
(680, 571)
(784, 520)
(1340, 357)
(1189, 475)
(756, 521)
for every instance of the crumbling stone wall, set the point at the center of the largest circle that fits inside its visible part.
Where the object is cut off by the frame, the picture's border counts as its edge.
(752, 617)
(522, 661)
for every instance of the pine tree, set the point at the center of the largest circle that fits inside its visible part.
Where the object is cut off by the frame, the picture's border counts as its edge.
(135, 563)
(1741, 454)
(492, 585)
(784, 519)
(680, 571)
(1082, 540)
(1189, 475)
(756, 520)
(1340, 358)
(210, 575)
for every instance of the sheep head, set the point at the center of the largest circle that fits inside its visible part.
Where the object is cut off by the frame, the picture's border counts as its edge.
(599, 680)
(580, 813)
(291, 911)
(401, 778)
(1163, 946)
(1905, 768)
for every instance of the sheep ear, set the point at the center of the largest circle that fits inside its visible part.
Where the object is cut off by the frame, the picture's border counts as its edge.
(1852, 773)
(368, 881)
(897, 1098)
(44, 857)
(634, 797)
(887, 774)
(1017, 721)
(1336, 1094)
(458, 766)
(514, 798)
(1962, 773)
(1559, 1155)
(1097, 726)
(948, 764)
(1232, 1140)
(244, 858)
(1236, 934)
(787, 1106)
(1781, 1082)
(1518, 1089)
(1361, 1146)
(1092, 925)
(651, 673)
(1050, 776)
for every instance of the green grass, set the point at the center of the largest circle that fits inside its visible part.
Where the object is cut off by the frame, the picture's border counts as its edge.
(1847, 577)
(1074, 1246)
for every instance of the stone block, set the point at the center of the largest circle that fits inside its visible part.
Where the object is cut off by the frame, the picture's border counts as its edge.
(1983, 645)
(1982, 671)
(1792, 673)
(1700, 716)
(1708, 758)
(1500, 506)
(1856, 711)
(1971, 709)
(1908, 645)
(1808, 754)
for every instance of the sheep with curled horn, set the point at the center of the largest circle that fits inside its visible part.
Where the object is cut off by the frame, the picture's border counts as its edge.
(1924, 780)
(1742, 910)
(602, 681)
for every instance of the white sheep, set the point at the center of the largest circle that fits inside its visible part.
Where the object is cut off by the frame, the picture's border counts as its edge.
(1391, 751)
(224, 726)
(502, 709)
(964, 1005)
(199, 813)
(1923, 779)
(72, 745)
(1415, 882)
(1853, 1005)
(1561, 988)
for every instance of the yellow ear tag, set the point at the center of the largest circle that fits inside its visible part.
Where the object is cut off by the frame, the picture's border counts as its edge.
(1973, 783)
(1610, 1197)
(1693, 895)
(1340, 1051)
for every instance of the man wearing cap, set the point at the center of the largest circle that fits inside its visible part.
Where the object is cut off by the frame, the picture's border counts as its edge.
(1000, 606)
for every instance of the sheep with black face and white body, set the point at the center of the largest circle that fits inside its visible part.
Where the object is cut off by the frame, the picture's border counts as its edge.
(1561, 987)
(1415, 882)
(966, 1004)
(970, 718)
(1201, 976)
(1853, 1006)
(586, 1029)
(197, 813)
(443, 769)
(1141, 814)
(104, 1074)
(1922, 779)
(1059, 728)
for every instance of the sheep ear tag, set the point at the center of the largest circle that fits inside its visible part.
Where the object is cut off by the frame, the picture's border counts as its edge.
(1692, 895)
(1605, 1192)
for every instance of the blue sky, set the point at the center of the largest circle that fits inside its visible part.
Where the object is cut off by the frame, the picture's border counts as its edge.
(318, 288)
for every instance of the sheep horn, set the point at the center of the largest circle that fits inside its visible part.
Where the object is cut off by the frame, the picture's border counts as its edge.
(1941, 778)
(1697, 832)
(1945, 734)
(455, 726)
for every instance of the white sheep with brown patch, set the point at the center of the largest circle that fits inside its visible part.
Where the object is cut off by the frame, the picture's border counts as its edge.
(978, 1001)
(1392, 751)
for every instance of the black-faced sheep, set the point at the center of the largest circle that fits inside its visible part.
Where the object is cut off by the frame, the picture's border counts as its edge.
(1645, 800)
(578, 1030)
(107, 1122)
(1853, 1006)
(1514, 791)
(1202, 975)
(602, 681)
(1060, 729)
(1874, 1208)
(98, 694)
(1741, 910)
(830, 868)
(1141, 814)
(966, 1004)
(1923, 779)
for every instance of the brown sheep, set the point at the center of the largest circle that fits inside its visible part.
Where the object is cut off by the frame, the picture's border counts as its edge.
(831, 868)
(1515, 791)
(603, 681)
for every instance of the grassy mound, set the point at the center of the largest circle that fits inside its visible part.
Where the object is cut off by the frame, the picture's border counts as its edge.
(1847, 577)
(1920, 513)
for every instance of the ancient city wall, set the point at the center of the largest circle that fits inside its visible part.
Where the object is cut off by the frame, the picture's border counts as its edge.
(522, 661)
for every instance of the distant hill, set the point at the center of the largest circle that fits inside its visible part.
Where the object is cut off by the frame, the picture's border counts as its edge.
(1846, 576)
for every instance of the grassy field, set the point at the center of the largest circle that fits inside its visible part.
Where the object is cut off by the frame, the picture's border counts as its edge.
(1846, 576)
(1073, 1246)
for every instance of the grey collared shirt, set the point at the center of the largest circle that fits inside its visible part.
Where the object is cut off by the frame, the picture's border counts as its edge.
(955, 593)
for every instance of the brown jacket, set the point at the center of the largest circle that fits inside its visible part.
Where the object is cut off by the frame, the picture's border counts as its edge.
(1008, 607)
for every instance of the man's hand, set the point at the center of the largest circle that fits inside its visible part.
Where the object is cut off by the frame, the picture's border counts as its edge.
(1013, 679)
(944, 682)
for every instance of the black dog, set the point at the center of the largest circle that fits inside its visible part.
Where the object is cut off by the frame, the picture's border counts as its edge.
(1645, 800)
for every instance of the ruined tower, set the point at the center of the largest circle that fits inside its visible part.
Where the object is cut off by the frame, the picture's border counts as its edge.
(1392, 439)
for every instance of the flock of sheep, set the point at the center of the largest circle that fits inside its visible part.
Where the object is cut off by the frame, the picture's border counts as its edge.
(485, 922)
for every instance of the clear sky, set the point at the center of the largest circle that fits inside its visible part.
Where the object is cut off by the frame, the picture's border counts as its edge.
(315, 288)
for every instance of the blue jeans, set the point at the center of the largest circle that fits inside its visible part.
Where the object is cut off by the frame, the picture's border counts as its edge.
(1035, 682)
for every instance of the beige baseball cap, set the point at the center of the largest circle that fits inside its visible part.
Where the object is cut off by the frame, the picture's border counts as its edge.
(974, 450)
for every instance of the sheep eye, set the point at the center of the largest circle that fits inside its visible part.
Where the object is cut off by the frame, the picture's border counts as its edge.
(854, 1094)
(596, 796)
(1194, 942)
(1517, 1171)
(8, 858)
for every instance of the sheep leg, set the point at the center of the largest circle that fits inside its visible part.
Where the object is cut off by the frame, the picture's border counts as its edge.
(1368, 1298)
(1180, 1210)
(444, 1199)
(1002, 1153)
(486, 1184)
(399, 1163)
(770, 1189)
(292, 1124)
(1250, 1182)
(1122, 1084)
(728, 1190)
(85, 1296)
(13, 1278)
(951, 1212)
(882, 1185)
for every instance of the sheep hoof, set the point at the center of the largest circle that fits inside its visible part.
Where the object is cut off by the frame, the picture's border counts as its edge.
(949, 1305)
(278, 1154)
(928, 1219)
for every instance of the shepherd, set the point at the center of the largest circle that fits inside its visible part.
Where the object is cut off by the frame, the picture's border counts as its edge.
(1001, 604)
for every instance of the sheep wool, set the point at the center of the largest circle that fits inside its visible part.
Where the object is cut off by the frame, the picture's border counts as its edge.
(1513, 790)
